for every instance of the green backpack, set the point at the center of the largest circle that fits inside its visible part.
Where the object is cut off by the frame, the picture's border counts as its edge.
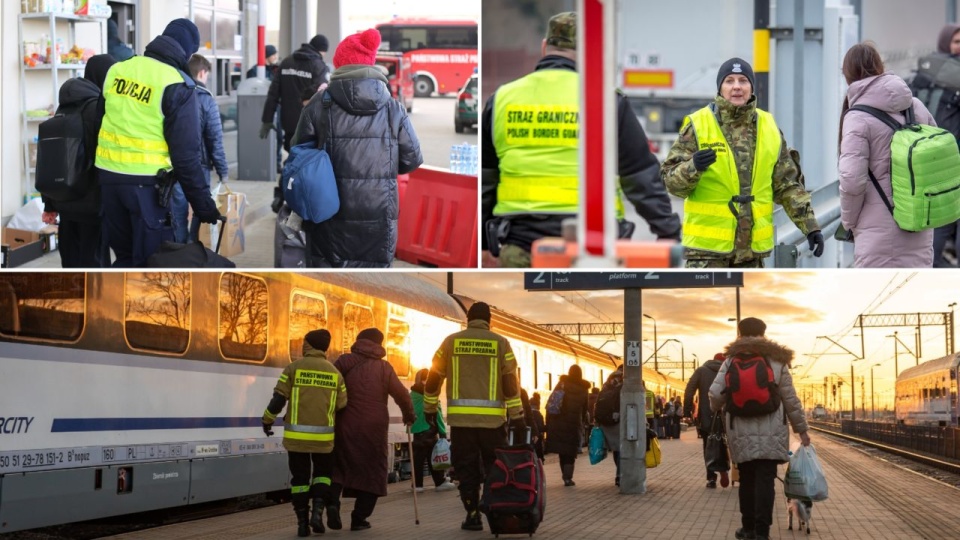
(924, 173)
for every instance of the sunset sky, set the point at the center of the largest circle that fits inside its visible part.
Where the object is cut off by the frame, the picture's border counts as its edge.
(797, 307)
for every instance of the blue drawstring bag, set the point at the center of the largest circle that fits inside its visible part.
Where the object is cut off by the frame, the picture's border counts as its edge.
(598, 446)
(309, 184)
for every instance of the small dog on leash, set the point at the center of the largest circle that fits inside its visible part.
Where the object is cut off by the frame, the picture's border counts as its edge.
(803, 510)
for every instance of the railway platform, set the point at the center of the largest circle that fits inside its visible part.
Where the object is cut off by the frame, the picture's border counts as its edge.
(870, 498)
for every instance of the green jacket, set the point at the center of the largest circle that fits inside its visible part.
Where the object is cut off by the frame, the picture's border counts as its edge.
(739, 125)
(421, 424)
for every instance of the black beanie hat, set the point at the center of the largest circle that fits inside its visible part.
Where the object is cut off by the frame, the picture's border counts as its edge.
(371, 334)
(320, 43)
(752, 327)
(479, 310)
(318, 339)
(184, 32)
(736, 65)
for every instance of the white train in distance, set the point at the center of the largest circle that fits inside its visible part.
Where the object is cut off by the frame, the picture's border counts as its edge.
(136, 391)
(927, 394)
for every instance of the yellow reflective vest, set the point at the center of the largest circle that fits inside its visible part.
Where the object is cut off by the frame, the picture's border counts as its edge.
(131, 137)
(709, 222)
(473, 362)
(315, 390)
(535, 131)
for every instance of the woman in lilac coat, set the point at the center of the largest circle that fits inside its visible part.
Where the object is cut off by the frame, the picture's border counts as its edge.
(865, 145)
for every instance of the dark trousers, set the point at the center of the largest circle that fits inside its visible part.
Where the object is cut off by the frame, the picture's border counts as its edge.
(80, 245)
(422, 452)
(568, 459)
(134, 224)
(305, 484)
(711, 476)
(756, 495)
(472, 455)
(941, 236)
(364, 506)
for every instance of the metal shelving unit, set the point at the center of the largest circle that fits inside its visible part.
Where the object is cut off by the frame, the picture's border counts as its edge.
(30, 28)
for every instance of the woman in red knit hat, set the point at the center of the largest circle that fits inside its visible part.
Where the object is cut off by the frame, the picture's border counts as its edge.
(370, 141)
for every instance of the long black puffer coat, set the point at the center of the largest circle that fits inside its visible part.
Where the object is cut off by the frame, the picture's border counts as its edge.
(565, 429)
(371, 141)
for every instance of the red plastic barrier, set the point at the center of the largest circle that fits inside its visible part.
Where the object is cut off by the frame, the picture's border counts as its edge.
(438, 219)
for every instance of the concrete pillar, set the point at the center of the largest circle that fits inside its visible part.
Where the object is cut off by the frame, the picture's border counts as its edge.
(329, 24)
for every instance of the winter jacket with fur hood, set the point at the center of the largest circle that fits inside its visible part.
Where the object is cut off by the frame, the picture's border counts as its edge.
(761, 437)
(865, 146)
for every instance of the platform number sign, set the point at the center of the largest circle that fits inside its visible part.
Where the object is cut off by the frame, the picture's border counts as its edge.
(633, 354)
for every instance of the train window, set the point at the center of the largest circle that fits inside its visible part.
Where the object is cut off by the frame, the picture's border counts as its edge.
(42, 306)
(243, 317)
(397, 343)
(308, 312)
(355, 319)
(157, 311)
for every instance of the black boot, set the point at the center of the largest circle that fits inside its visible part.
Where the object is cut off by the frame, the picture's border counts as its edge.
(333, 517)
(567, 472)
(316, 519)
(301, 506)
(358, 523)
(473, 522)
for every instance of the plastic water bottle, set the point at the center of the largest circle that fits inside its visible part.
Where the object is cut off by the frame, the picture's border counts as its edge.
(455, 159)
(473, 160)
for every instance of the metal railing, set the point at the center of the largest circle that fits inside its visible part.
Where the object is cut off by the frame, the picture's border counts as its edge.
(938, 441)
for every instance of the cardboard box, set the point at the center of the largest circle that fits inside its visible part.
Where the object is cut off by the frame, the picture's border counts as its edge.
(233, 205)
(18, 247)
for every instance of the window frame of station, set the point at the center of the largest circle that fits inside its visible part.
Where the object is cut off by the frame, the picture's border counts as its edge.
(83, 312)
(326, 316)
(219, 84)
(266, 332)
(189, 329)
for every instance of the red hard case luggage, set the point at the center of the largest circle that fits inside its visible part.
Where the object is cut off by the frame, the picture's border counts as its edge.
(514, 494)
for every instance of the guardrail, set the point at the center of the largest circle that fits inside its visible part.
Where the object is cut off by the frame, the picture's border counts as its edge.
(938, 441)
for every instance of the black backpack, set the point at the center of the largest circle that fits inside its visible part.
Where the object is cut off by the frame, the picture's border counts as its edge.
(64, 165)
(607, 410)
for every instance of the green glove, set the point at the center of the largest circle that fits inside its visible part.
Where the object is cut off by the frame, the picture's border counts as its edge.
(265, 129)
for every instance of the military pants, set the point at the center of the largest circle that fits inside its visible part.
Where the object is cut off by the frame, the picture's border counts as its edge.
(723, 263)
(512, 256)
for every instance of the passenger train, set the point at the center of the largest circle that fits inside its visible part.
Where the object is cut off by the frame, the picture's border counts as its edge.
(927, 394)
(128, 392)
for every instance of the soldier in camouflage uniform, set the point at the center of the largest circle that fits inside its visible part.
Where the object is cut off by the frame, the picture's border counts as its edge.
(735, 110)
(529, 138)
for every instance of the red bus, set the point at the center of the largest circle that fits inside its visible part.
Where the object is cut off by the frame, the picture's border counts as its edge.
(442, 54)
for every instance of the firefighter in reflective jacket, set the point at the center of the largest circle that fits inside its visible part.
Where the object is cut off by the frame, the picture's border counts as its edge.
(482, 393)
(316, 392)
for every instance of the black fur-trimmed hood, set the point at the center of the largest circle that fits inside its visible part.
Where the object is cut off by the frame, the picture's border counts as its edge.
(762, 346)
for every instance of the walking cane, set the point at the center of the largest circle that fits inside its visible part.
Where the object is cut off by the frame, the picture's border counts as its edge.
(413, 477)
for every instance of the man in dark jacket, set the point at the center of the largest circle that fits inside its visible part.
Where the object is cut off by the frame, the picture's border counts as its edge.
(938, 86)
(372, 142)
(529, 184)
(115, 46)
(270, 58)
(699, 383)
(151, 122)
(79, 230)
(301, 75)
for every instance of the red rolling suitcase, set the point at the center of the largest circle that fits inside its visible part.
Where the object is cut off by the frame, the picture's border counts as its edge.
(514, 494)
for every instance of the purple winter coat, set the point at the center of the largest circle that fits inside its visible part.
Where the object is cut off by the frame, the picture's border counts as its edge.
(361, 428)
(879, 242)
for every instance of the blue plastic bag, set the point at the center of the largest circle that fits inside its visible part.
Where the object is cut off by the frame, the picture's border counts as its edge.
(804, 478)
(598, 446)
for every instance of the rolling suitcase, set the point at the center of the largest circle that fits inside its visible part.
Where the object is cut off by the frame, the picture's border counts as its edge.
(514, 494)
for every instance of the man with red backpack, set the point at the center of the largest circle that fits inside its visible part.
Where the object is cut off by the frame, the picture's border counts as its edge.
(755, 390)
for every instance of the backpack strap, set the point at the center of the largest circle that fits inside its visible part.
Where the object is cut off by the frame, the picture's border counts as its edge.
(892, 124)
(324, 136)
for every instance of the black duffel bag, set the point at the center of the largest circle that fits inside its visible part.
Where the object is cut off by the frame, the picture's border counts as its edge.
(192, 255)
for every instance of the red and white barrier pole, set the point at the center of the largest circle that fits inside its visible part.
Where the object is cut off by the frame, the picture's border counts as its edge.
(597, 226)
(261, 39)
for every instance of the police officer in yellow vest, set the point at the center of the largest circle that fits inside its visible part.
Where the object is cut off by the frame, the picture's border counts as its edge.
(530, 157)
(482, 393)
(151, 121)
(731, 164)
(316, 391)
